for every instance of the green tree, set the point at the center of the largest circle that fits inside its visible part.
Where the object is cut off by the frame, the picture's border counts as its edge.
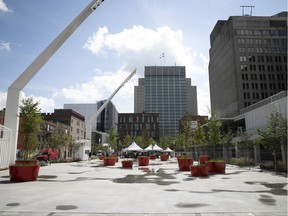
(112, 138)
(187, 131)
(59, 141)
(151, 141)
(199, 137)
(30, 125)
(226, 141)
(213, 135)
(167, 141)
(144, 140)
(246, 145)
(179, 143)
(139, 141)
(127, 141)
(275, 135)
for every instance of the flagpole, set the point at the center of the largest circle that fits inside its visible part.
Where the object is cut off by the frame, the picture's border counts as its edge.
(163, 56)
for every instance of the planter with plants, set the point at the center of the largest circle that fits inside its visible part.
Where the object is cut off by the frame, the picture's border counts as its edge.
(216, 166)
(203, 159)
(30, 120)
(101, 157)
(164, 157)
(184, 163)
(199, 170)
(110, 161)
(143, 160)
(24, 171)
(153, 156)
(127, 163)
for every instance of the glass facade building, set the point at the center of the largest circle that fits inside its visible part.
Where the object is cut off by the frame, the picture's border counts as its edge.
(167, 91)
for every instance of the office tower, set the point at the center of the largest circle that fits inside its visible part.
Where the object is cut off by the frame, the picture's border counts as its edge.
(167, 91)
(248, 61)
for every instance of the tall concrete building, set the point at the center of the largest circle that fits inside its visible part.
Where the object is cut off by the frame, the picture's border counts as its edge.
(248, 61)
(167, 91)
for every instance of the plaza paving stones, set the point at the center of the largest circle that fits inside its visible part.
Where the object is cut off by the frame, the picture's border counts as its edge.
(89, 189)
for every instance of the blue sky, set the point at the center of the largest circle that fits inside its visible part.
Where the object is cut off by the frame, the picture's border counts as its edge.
(116, 38)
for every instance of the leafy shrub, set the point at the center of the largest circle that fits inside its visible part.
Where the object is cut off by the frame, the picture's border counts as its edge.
(242, 161)
(269, 165)
(66, 160)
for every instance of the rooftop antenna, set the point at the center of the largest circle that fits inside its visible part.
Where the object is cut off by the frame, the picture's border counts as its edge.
(243, 10)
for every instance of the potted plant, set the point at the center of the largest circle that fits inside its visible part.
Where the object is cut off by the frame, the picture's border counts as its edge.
(214, 125)
(109, 161)
(185, 139)
(202, 159)
(199, 170)
(199, 139)
(184, 163)
(216, 166)
(30, 120)
(143, 160)
(164, 157)
(127, 163)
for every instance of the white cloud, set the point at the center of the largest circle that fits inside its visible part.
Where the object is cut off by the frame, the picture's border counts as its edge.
(139, 47)
(100, 87)
(46, 104)
(3, 7)
(5, 46)
(136, 47)
(3, 96)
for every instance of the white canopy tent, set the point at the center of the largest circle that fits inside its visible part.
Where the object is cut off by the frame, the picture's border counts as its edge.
(133, 147)
(168, 150)
(154, 147)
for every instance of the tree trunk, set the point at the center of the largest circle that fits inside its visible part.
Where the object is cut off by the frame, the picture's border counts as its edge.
(283, 152)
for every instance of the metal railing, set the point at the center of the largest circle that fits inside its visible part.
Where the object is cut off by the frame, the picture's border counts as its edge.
(5, 144)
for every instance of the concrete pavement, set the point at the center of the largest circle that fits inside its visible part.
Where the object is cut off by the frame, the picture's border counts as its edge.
(90, 189)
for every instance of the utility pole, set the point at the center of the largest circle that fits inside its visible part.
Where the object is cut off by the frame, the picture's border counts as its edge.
(13, 96)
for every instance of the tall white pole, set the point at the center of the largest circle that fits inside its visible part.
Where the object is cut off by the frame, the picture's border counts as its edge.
(13, 96)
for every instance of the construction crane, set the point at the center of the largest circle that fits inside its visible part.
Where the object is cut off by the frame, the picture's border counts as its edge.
(13, 95)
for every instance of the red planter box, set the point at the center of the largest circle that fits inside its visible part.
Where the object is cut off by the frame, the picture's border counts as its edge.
(153, 157)
(116, 156)
(22, 173)
(184, 164)
(216, 166)
(101, 157)
(164, 157)
(110, 161)
(28, 162)
(127, 163)
(203, 159)
(199, 171)
(143, 161)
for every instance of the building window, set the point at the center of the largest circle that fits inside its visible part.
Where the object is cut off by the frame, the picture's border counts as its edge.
(243, 67)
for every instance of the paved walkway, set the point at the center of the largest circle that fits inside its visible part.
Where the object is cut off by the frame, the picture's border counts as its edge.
(90, 189)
